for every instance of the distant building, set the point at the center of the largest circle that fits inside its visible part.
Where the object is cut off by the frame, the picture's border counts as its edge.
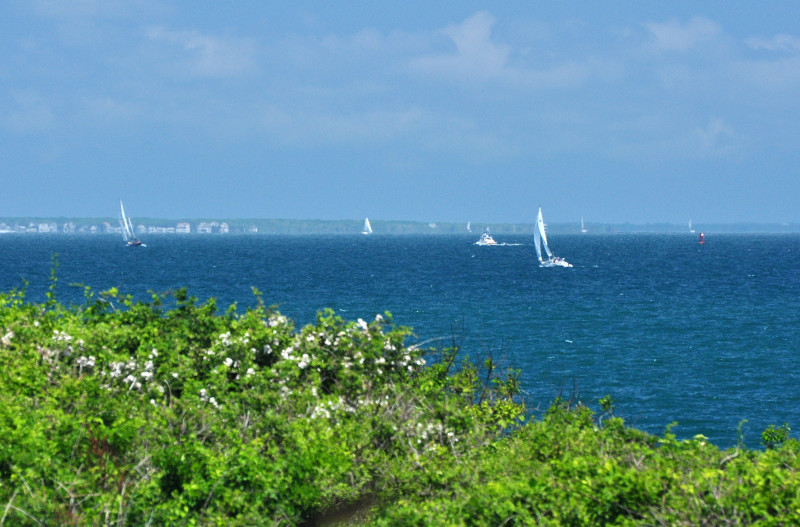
(207, 227)
(223, 228)
(68, 228)
(183, 228)
(252, 229)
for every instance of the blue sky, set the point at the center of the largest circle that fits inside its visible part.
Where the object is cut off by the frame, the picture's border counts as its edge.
(446, 111)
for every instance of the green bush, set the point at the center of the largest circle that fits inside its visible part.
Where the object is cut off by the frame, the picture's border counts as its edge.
(119, 412)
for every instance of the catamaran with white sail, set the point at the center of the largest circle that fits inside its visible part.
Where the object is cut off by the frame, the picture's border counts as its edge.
(540, 239)
(127, 229)
(367, 227)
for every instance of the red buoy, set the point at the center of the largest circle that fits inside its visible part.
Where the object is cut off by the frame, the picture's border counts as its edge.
(702, 238)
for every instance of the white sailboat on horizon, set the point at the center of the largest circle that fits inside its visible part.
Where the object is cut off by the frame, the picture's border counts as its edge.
(540, 239)
(469, 228)
(127, 229)
(691, 229)
(367, 227)
(583, 227)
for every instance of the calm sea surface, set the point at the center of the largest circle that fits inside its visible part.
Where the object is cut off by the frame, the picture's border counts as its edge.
(706, 336)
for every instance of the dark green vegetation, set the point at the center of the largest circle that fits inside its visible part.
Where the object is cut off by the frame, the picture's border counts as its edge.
(167, 412)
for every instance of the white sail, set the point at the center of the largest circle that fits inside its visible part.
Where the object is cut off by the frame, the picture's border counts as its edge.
(691, 230)
(583, 227)
(540, 238)
(367, 227)
(127, 228)
(537, 242)
(469, 229)
(542, 234)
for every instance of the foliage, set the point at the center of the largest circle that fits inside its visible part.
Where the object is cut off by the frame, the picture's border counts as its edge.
(123, 412)
(119, 412)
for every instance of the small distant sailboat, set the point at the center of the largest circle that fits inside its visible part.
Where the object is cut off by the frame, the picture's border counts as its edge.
(583, 227)
(540, 239)
(691, 230)
(367, 227)
(486, 239)
(469, 229)
(127, 229)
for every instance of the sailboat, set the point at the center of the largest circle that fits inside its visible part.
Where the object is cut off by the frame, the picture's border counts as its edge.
(367, 227)
(469, 229)
(540, 239)
(127, 229)
(583, 227)
(691, 230)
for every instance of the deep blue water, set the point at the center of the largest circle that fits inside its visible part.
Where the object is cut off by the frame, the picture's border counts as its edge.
(674, 331)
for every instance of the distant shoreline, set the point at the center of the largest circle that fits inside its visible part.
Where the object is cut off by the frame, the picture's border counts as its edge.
(61, 225)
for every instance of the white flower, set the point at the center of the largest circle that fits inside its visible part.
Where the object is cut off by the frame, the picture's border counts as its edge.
(362, 324)
(228, 362)
(174, 375)
(250, 372)
(378, 317)
(154, 353)
(304, 360)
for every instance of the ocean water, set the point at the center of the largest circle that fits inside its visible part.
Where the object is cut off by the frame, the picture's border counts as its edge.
(705, 336)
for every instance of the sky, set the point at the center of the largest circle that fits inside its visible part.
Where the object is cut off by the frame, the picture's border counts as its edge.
(628, 111)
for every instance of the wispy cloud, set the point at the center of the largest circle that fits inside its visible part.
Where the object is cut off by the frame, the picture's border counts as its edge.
(28, 113)
(675, 36)
(309, 128)
(476, 56)
(209, 56)
(714, 134)
(776, 43)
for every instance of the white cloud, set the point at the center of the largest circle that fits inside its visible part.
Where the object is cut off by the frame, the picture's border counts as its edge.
(476, 55)
(28, 114)
(674, 36)
(209, 56)
(311, 128)
(714, 135)
(776, 43)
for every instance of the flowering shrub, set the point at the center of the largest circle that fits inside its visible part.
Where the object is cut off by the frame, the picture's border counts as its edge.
(127, 413)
